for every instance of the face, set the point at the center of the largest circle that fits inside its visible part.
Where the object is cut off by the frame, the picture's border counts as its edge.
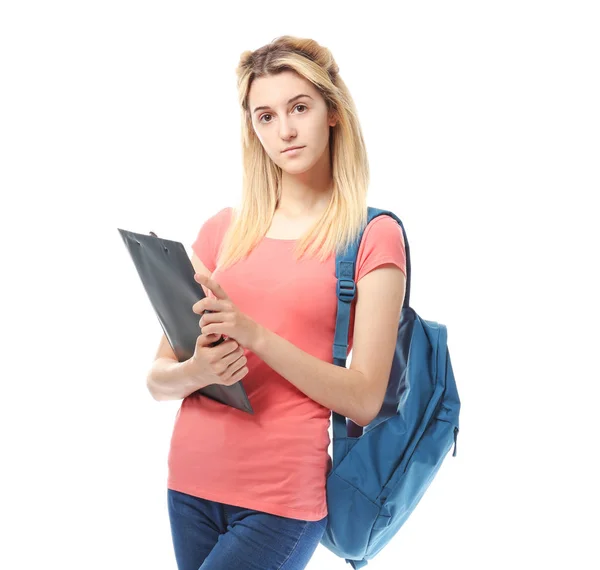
(284, 120)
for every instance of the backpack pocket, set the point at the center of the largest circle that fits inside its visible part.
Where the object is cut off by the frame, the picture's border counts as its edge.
(441, 435)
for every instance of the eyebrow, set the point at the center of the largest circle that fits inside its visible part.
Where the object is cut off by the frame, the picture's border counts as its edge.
(290, 101)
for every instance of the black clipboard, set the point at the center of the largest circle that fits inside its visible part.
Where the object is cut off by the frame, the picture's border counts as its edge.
(167, 275)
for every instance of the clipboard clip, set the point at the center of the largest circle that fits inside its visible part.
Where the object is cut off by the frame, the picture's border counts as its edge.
(164, 246)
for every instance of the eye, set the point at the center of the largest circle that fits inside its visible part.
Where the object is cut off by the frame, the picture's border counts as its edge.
(260, 119)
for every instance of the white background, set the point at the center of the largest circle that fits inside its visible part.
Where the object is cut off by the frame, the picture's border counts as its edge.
(482, 126)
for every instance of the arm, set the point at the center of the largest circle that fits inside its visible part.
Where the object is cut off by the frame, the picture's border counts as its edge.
(356, 392)
(169, 379)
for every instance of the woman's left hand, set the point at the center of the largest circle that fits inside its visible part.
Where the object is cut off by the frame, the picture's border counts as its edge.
(226, 319)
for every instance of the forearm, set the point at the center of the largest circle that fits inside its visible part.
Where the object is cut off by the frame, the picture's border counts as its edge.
(335, 387)
(169, 379)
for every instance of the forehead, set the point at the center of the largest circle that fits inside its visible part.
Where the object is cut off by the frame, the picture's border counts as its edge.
(277, 89)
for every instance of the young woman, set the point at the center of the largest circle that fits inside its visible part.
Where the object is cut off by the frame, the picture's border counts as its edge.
(248, 491)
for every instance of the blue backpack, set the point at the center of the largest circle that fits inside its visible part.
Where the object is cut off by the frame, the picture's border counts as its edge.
(380, 473)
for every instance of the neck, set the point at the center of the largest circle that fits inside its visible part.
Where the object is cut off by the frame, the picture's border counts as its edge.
(307, 193)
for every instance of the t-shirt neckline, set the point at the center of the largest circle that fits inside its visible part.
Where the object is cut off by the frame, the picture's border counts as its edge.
(278, 239)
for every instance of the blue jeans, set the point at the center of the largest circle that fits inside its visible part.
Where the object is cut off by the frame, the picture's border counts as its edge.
(214, 536)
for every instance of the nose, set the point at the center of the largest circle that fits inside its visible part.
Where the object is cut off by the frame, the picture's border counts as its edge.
(287, 131)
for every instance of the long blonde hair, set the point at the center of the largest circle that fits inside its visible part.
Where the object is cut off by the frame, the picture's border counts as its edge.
(346, 213)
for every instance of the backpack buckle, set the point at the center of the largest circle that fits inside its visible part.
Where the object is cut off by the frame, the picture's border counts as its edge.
(346, 290)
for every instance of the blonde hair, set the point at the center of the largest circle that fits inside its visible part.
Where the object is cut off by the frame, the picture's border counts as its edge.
(346, 213)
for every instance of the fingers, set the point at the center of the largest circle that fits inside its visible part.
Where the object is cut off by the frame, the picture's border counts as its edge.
(205, 319)
(206, 339)
(218, 291)
(206, 305)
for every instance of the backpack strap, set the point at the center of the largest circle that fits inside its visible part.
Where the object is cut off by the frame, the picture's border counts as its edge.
(345, 266)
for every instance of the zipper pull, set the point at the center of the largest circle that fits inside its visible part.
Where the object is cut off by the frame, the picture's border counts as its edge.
(455, 436)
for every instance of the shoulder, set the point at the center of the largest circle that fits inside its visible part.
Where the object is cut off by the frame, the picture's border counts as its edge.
(210, 235)
(217, 223)
(382, 243)
(223, 216)
(384, 226)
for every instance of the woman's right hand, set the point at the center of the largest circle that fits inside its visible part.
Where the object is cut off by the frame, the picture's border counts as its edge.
(223, 364)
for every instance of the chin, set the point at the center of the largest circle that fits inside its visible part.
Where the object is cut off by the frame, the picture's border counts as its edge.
(296, 167)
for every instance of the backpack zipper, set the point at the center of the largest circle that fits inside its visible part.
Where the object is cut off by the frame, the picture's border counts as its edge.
(455, 436)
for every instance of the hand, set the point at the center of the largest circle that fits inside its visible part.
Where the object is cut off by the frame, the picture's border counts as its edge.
(223, 364)
(225, 318)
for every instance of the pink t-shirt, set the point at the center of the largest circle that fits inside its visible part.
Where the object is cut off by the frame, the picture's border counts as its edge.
(276, 460)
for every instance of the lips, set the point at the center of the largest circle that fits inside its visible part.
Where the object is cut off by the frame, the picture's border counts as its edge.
(291, 148)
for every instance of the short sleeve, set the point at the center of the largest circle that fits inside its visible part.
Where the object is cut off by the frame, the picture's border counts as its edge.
(209, 238)
(382, 242)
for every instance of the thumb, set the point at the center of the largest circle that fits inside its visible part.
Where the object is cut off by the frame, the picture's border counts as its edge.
(207, 339)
